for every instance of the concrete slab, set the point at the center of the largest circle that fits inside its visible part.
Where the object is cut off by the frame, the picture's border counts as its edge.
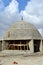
(21, 60)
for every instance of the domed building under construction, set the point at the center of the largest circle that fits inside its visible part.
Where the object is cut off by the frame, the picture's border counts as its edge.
(21, 37)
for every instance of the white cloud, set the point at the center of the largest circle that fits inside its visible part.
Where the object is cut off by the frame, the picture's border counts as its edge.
(12, 7)
(9, 15)
(34, 13)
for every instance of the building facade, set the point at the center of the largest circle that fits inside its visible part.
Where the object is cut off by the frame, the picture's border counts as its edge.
(22, 36)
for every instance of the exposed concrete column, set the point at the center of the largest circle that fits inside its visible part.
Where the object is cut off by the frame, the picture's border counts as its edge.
(41, 46)
(27, 46)
(7, 45)
(31, 46)
(3, 45)
(20, 45)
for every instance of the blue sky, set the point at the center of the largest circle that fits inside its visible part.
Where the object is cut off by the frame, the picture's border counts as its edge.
(6, 2)
(12, 10)
(22, 3)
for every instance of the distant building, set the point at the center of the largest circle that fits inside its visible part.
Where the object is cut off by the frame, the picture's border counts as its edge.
(22, 36)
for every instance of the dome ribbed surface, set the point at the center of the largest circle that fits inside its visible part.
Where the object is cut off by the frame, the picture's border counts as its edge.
(22, 30)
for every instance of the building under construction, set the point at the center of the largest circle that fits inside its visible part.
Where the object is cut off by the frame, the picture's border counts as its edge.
(22, 36)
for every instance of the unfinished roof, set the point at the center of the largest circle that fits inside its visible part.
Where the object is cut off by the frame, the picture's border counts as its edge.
(22, 30)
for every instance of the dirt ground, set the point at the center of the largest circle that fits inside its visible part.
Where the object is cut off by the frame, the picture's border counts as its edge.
(22, 60)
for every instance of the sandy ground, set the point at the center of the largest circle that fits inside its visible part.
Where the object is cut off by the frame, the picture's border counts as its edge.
(22, 60)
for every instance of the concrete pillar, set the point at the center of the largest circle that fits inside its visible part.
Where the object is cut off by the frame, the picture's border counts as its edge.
(6, 45)
(3, 45)
(41, 46)
(27, 47)
(31, 46)
(20, 46)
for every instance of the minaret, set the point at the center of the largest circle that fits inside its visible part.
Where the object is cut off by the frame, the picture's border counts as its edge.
(21, 18)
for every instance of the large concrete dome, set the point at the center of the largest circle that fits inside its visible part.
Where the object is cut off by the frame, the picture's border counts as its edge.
(22, 30)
